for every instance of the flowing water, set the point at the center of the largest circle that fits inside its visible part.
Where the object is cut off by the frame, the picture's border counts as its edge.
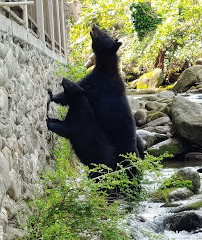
(149, 222)
(197, 97)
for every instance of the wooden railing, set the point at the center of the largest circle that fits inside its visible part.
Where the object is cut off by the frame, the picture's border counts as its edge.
(43, 18)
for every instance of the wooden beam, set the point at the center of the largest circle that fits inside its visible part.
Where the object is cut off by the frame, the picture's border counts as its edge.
(58, 23)
(14, 4)
(63, 27)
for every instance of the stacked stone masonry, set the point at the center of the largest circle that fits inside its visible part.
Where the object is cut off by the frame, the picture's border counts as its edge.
(25, 143)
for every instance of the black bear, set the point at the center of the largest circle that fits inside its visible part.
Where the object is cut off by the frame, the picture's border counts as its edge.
(80, 126)
(105, 90)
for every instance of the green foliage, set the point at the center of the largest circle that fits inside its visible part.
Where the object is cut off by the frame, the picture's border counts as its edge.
(62, 112)
(113, 16)
(74, 206)
(177, 31)
(71, 207)
(144, 19)
(176, 181)
(170, 184)
(179, 34)
(73, 72)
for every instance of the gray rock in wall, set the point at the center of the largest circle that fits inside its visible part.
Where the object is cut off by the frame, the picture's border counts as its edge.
(15, 188)
(12, 64)
(3, 50)
(3, 76)
(3, 100)
(4, 170)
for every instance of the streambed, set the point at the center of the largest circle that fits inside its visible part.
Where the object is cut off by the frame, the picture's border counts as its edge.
(149, 223)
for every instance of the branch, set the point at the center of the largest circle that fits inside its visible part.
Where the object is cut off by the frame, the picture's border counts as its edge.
(114, 172)
(147, 13)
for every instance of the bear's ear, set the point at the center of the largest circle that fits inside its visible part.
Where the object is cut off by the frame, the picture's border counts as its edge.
(116, 46)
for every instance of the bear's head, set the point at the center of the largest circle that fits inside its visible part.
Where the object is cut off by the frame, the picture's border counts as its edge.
(102, 43)
(71, 90)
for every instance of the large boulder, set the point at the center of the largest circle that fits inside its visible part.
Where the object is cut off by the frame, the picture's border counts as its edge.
(188, 221)
(199, 77)
(152, 79)
(187, 119)
(187, 79)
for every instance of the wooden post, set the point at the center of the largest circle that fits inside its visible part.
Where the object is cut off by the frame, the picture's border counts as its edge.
(26, 16)
(58, 22)
(51, 19)
(40, 19)
(63, 26)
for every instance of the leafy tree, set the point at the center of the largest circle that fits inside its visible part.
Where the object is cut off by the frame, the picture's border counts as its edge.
(179, 36)
(167, 26)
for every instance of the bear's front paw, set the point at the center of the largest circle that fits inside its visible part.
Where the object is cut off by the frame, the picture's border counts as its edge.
(50, 93)
(48, 122)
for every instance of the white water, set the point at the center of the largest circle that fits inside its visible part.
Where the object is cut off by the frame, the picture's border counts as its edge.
(193, 97)
(148, 223)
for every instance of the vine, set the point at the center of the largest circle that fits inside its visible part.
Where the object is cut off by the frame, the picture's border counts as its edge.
(144, 19)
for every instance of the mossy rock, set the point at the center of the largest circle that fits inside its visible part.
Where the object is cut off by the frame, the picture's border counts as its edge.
(199, 86)
(173, 188)
(161, 195)
(156, 106)
(169, 194)
(173, 146)
(197, 204)
(152, 80)
(153, 115)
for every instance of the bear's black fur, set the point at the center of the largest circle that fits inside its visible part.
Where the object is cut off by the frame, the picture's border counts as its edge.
(106, 93)
(80, 126)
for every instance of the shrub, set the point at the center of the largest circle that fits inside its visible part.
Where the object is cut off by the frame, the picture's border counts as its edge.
(74, 206)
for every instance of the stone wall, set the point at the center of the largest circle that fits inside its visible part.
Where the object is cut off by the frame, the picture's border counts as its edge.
(25, 143)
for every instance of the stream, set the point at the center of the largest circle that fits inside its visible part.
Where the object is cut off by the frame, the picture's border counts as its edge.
(149, 222)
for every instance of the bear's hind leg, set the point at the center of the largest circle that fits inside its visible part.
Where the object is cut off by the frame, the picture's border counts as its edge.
(58, 127)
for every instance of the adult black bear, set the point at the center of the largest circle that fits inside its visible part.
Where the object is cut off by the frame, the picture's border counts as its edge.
(80, 126)
(106, 93)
